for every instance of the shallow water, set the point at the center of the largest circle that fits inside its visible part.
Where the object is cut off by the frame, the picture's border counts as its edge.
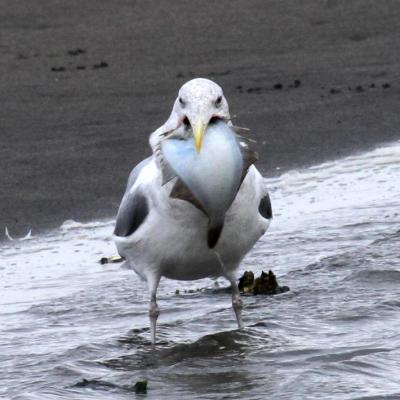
(72, 328)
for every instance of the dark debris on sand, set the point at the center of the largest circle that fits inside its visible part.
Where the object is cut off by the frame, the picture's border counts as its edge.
(58, 69)
(76, 52)
(266, 284)
(101, 64)
(297, 83)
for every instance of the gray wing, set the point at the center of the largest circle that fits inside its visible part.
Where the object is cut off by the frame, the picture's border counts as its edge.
(134, 207)
(135, 173)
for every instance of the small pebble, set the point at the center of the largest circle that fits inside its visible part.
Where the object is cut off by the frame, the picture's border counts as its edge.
(76, 52)
(58, 69)
(102, 64)
(297, 83)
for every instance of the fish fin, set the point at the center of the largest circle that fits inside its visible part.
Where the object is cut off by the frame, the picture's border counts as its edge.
(28, 235)
(249, 155)
(167, 173)
(240, 129)
(213, 234)
(8, 236)
(182, 192)
(249, 158)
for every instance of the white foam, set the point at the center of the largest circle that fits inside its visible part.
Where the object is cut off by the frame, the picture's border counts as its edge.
(316, 211)
(325, 200)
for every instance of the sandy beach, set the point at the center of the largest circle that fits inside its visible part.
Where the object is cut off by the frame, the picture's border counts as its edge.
(83, 84)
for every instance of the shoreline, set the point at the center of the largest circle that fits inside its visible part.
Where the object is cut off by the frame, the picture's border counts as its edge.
(82, 87)
(108, 219)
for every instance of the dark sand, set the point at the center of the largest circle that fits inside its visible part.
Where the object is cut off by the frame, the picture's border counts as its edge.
(83, 84)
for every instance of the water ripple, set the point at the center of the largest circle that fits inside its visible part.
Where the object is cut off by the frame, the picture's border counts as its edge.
(72, 328)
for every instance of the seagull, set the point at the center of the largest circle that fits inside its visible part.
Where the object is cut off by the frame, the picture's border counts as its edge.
(197, 205)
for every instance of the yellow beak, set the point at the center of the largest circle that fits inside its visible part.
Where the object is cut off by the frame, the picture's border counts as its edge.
(198, 130)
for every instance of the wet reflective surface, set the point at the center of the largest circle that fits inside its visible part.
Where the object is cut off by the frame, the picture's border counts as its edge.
(72, 328)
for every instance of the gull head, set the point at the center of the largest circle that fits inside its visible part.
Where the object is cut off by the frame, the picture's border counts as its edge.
(200, 102)
(211, 177)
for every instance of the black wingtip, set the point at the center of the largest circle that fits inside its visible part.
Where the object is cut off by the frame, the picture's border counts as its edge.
(213, 235)
(132, 216)
(265, 207)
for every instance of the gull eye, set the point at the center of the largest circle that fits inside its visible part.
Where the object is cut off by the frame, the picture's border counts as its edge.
(182, 103)
(218, 101)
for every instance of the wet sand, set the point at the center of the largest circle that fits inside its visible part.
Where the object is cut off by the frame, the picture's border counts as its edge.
(83, 84)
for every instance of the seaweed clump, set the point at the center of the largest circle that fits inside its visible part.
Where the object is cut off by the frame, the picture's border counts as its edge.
(141, 387)
(246, 282)
(266, 284)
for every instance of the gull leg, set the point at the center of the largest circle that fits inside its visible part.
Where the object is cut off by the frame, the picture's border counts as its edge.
(154, 311)
(237, 303)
